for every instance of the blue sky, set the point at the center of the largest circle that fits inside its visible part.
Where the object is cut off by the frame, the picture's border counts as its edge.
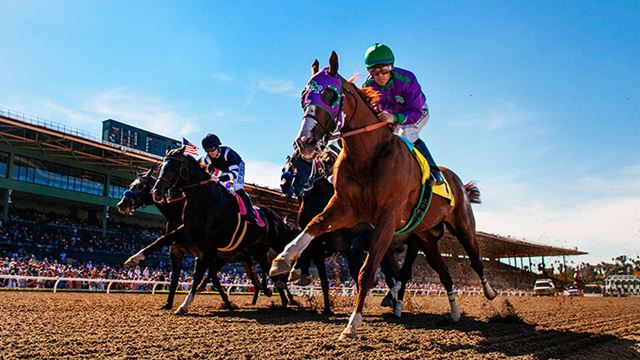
(537, 101)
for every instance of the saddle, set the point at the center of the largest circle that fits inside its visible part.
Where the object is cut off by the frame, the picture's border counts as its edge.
(243, 211)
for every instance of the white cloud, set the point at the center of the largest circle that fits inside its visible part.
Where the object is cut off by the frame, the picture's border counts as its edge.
(263, 173)
(222, 77)
(148, 113)
(275, 86)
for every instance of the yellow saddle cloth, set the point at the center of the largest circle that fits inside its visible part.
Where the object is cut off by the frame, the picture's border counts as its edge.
(443, 190)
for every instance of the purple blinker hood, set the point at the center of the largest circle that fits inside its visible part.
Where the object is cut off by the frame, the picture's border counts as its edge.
(316, 86)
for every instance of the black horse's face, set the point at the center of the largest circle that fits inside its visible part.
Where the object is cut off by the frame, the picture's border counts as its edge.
(322, 106)
(170, 172)
(139, 190)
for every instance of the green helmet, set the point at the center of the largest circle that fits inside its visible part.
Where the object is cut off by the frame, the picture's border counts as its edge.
(378, 54)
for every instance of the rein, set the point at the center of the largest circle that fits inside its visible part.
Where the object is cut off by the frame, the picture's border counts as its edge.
(361, 130)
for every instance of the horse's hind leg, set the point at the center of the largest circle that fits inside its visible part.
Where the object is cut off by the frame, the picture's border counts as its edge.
(250, 271)
(213, 274)
(434, 259)
(466, 234)
(324, 282)
(176, 259)
(406, 273)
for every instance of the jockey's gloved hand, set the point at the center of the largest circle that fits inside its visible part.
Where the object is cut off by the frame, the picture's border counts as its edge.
(386, 117)
(214, 178)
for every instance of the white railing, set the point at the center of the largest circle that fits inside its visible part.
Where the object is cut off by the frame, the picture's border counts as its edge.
(295, 289)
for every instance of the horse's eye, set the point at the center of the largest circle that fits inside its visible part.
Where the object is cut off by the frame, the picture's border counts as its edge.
(329, 96)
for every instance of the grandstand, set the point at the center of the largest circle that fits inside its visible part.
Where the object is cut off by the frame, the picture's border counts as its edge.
(58, 181)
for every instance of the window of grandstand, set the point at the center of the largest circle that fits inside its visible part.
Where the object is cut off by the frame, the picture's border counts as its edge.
(4, 163)
(59, 176)
(117, 187)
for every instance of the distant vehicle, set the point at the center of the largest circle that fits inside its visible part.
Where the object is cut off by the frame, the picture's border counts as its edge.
(574, 292)
(544, 287)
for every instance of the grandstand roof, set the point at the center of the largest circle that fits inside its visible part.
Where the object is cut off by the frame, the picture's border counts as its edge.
(63, 142)
(497, 246)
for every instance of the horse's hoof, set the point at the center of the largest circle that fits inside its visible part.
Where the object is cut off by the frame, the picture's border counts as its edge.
(267, 292)
(279, 266)
(490, 294)
(166, 307)
(304, 281)
(327, 312)
(181, 311)
(295, 275)
(347, 335)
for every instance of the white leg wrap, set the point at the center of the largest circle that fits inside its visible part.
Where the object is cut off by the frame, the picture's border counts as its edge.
(455, 313)
(135, 259)
(397, 311)
(350, 331)
(394, 290)
(292, 251)
(184, 307)
(489, 293)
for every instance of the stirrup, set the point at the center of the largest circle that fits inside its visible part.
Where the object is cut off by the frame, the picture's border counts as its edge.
(436, 178)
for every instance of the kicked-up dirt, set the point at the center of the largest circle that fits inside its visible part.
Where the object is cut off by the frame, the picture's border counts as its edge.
(117, 326)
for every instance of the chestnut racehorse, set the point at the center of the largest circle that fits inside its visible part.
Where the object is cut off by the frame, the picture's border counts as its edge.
(376, 180)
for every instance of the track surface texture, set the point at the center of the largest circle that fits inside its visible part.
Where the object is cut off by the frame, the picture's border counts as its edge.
(118, 326)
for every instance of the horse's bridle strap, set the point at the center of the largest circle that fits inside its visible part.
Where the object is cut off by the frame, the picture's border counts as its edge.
(363, 129)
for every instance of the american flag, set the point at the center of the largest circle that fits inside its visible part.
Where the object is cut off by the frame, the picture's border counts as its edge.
(189, 148)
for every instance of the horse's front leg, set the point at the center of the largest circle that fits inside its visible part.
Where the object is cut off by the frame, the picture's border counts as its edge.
(165, 240)
(201, 266)
(336, 215)
(380, 243)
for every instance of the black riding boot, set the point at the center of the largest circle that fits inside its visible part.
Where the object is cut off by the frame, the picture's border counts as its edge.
(247, 203)
(435, 171)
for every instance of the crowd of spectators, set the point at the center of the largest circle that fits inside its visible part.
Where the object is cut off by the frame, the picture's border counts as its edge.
(45, 234)
(44, 241)
(32, 266)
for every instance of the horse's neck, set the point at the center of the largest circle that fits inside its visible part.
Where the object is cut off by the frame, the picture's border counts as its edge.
(171, 211)
(364, 147)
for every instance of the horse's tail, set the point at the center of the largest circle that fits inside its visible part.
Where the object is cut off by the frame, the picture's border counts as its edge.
(473, 192)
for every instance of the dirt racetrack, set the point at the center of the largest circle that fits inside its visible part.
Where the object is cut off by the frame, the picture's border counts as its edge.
(77, 325)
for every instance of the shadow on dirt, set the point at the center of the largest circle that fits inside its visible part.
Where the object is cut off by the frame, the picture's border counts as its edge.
(511, 336)
(499, 335)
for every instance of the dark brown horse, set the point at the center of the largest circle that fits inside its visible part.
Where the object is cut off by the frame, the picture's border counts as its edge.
(139, 195)
(378, 181)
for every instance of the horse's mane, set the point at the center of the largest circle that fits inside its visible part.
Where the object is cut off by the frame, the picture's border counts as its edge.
(195, 164)
(368, 94)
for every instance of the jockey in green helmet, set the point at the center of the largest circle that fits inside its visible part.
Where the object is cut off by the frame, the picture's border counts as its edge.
(402, 101)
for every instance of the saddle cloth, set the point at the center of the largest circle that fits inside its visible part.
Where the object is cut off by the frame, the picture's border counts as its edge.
(442, 190)
(243, 211)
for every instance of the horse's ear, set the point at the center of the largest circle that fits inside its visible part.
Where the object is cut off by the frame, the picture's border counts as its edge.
(167, 150)
(333, 64)
(315, 67)
(150, 171)
(182, 149)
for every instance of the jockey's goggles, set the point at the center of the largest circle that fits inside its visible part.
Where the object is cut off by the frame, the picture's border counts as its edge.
(377, 70)
(211, 149)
